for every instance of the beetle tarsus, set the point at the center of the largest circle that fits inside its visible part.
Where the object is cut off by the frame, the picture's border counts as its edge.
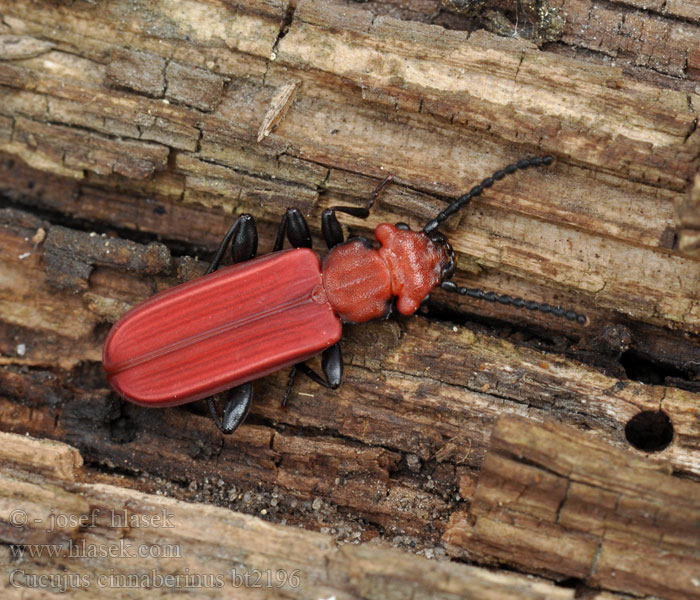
(236, 408)
(316, 378)
(290, 384)
(375, 193)
(330, 227)
(332, 365)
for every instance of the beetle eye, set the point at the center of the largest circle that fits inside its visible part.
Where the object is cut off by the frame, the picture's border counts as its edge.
(403, 226)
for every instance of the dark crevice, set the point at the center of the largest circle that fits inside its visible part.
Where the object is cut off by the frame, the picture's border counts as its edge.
(582, 591)
(286, 23)
(114, 469)
(617, 358)
(177, 248)
(642, 369)
(693, 126)
(259, 176)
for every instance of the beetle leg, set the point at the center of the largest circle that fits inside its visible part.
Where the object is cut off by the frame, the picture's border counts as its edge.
(332, 365)
(245, 242)
(294, 226)
(244, 234)
(290, 383)
(235, 410)
(330, 227)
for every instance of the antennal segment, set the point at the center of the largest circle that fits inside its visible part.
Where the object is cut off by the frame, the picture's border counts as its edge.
(557, 311)
(462, 201)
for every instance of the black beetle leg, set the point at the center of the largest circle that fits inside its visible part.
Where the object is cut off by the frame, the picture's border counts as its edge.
(294, 226)
(235, 410)
(245, 243)
(290, 384)
(332, 365)
(244, 246)
(243, 235)
(330, 227)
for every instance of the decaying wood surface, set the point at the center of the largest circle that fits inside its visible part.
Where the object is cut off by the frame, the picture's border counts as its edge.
(131, 133)
(117, 541)
(611, 520)
(689, 221)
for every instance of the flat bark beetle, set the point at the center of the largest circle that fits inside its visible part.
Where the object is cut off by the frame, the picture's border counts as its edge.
(239, 323)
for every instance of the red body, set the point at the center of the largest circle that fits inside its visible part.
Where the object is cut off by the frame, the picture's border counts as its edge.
(216, 332)
(245, 321)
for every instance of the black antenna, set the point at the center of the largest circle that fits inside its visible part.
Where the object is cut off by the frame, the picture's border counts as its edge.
(462, 201)
(557, 311)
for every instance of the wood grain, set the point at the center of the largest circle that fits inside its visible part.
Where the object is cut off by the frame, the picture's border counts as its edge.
(551, 499)
(129, 141)
(107, 538)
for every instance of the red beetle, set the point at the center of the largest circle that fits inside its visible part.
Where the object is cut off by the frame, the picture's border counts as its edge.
(242, 322)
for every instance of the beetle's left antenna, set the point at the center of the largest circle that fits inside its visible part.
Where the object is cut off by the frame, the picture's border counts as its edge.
(462, 201)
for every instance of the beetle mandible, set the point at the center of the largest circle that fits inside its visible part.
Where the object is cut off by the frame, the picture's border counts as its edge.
(259, 315)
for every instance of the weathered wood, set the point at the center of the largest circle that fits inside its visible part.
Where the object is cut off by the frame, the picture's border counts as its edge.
(553, 500)
(629, 130)
(650, 37)
(127, 124)
(49, 458)
(391, 447)
(689, 221)
(94, 538)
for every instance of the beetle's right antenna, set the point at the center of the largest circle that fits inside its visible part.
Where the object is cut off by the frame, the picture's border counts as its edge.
(462, 201)
(557, 311)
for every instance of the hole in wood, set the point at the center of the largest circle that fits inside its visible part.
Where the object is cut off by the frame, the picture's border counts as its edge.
(649, 431)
